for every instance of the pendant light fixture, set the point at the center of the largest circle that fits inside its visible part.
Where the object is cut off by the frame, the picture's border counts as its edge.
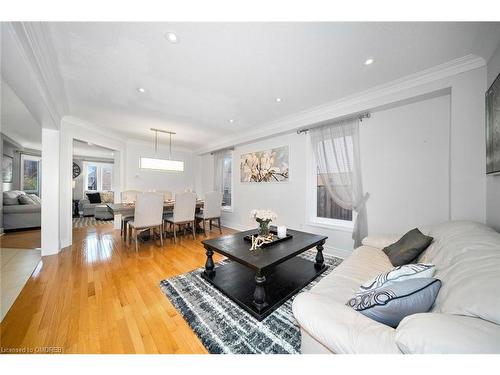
(162, 164)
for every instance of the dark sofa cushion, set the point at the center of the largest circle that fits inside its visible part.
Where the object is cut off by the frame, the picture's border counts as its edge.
(94, 197)
(407, 248)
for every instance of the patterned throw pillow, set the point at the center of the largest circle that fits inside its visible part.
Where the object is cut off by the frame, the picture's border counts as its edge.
(35, 198)
(391, 304)
(400, 273)
(106, 197)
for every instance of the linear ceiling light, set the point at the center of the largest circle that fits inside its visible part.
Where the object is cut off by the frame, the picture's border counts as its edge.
(162, 164)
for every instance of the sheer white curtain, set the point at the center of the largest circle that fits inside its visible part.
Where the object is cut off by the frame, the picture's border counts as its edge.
(219, 170)
(336, 148)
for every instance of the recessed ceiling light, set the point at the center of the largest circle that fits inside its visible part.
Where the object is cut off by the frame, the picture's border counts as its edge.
(172, 37)
(369, 61)
(231, 121)
(142, 90)
(278, 100)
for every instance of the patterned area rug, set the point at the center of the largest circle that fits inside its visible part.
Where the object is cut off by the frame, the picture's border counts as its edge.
(224, 327)
(89, 221)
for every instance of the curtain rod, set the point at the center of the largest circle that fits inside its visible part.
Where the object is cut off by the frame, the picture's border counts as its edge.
(360, 117)
(223, 149)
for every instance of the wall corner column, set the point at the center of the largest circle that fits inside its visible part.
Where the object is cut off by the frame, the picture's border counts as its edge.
(50, 192)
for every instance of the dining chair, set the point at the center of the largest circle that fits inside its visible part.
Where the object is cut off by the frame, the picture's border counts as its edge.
(184, 210)
(127, 196)
(148, 215)
(211, 210)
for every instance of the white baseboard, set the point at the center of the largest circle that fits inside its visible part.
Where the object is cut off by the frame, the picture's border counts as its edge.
(328, 249)
(336, 252)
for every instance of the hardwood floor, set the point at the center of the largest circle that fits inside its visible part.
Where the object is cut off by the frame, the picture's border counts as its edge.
(100, 296)
(22, 239)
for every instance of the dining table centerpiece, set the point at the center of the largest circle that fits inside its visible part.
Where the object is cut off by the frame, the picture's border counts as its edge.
(263, 217)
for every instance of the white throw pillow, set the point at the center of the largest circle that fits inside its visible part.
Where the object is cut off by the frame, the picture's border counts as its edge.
(400, 273)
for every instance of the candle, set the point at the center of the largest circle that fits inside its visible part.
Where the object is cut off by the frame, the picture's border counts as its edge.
(281, 231)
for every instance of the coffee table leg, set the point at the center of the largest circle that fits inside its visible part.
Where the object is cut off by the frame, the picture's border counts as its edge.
(259, 295)
(209, 264)
(319, 257)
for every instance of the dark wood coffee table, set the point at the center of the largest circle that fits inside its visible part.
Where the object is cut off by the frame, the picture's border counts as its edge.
(261, 280)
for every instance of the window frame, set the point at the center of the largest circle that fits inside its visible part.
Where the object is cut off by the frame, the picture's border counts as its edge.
(38, 159)
(231, 192)
(100, 166)
(312, 218)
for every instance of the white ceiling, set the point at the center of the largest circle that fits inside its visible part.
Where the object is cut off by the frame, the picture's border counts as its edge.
(16, 121)
(222, 71)
(81, 148)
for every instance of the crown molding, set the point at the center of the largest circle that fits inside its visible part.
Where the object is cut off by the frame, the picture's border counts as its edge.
(76, 121)
(343, 106)
(34, 43)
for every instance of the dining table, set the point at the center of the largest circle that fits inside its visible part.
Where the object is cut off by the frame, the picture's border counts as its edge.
(127, 209)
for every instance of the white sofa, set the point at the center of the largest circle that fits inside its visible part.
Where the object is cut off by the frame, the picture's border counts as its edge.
(464, 319)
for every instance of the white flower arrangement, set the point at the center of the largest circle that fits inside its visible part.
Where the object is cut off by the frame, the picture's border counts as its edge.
(263, 215)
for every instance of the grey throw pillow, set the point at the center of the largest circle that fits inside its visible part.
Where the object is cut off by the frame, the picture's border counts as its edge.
(389, 305)
(24, 199)
(407, 248)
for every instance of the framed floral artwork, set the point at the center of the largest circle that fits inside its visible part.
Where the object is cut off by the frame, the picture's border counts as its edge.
(265, 166)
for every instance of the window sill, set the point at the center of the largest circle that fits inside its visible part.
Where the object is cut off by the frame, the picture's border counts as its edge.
(227, 209)
(332, 225)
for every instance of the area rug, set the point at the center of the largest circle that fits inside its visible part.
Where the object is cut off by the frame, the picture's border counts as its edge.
(224, 327)
(89, 221)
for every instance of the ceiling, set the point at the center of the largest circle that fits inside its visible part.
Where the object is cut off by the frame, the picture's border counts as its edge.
(85, 149)
(222, 71)
(17, 122)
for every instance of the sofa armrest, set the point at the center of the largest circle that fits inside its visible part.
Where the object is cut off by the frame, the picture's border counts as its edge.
(379, 241)
(340, 328)
(82, 203)
(444, 333)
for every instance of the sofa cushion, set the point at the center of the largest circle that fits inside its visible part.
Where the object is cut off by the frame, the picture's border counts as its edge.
(20, 209)
(25, 199)
(467, 259)
(380, 241)
(363, 263)
(443, 333)
(407, 248)
(400, 273)
(11, 197)
(94, 197)
(340, 328)
(390, 304)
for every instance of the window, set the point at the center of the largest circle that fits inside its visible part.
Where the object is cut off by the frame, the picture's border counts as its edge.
(227, 171)
(98, 176)
(30, 173)
(324, 209)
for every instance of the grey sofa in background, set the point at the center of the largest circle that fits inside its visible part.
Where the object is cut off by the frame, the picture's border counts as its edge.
(20, 216)
(86, 208)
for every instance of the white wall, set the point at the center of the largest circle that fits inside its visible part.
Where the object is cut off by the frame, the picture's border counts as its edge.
(50, 188)
(423, 163)
(493, 182)
(405, 165)
(145, 180)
